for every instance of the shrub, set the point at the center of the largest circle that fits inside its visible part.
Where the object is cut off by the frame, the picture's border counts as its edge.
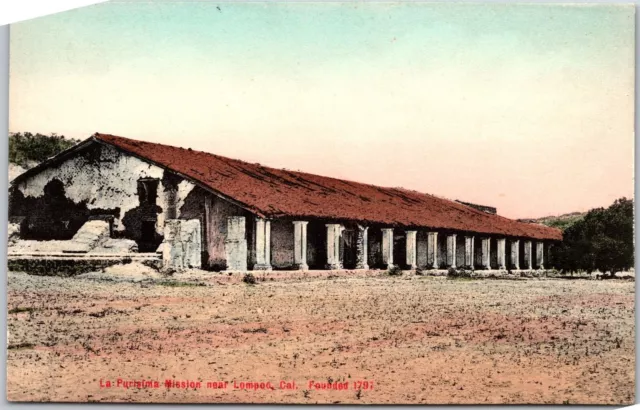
(459, 273)
(258, 330)
(394, 271)
(419, 271)
(249, 279)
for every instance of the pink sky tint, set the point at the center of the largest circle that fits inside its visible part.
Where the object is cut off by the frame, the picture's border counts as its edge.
(532, 123)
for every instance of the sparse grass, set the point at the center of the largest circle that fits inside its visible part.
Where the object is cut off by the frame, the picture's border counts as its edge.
(257, 330)
(178, 284)
(465, 278)
(107, 311)
(18, 346)
(62, 268)
(21, 310)
(101, 313)
(249, 279)
(63, 312)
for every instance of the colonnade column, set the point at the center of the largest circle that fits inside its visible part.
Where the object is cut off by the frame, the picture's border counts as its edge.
(432, 250)
(451, 250)
(540, 255)
(300, 244)
(527, 255)
(412, 246)
(334, 234)
(515, 254)
(362, 247)
(387, 247)
(502, 254)
(486, 253)
(468, 251)
(263, 244)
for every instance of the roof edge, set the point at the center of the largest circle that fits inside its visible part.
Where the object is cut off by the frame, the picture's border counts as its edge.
(96, 137)
(544, 232)
(52, 160)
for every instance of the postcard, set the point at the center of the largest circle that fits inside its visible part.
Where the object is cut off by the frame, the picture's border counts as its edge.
(322, 203)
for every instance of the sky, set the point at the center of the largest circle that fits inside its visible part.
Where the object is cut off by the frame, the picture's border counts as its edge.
(528, 108)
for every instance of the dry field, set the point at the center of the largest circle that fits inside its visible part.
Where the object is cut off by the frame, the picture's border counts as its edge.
(417, 339)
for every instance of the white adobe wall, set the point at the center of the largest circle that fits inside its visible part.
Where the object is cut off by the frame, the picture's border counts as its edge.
(105, 178)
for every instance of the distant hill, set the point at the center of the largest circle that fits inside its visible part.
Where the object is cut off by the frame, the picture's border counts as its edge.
(561, 222)
(27, 150)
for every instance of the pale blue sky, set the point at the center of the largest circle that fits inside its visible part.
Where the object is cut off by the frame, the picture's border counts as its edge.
(528, 108)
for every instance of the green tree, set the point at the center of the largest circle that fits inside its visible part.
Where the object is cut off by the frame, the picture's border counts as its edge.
(27, 147)
(602, 241)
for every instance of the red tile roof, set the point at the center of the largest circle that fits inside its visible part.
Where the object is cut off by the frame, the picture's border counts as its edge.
(272, 192)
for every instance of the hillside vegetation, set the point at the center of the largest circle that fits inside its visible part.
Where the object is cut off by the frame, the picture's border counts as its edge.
(27, 149)
(561, 222)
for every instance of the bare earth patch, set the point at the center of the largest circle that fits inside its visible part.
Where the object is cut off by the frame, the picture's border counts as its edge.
(418, 339)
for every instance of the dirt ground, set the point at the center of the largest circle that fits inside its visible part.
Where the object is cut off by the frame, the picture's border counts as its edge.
(393, 340)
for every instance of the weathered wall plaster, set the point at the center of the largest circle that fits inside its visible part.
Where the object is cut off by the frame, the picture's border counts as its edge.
(182, 247)
(281, 244)
(217, 212)
(236, 243)
(100, 179)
